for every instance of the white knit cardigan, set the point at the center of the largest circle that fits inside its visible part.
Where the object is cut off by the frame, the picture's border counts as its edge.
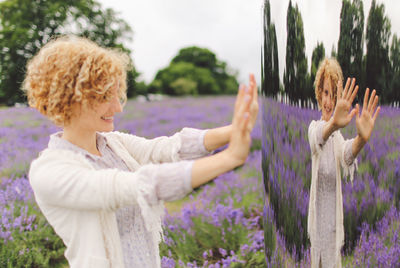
(80, 202)
(339, 145)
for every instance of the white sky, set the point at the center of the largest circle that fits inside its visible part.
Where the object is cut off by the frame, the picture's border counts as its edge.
(232, 29)
(321, 19)
(229, 28)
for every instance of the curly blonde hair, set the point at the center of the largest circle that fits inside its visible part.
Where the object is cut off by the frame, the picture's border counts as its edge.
(329, 68)
(72, 70)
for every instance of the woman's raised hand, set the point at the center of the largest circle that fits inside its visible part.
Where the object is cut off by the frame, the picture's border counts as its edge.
(244, 118)
(342, 115)
(254, 102)
(366, 121)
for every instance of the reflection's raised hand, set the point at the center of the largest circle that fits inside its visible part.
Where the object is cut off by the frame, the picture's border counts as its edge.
(366, 121)
(342, 115)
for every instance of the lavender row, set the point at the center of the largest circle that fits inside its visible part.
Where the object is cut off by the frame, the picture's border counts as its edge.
(27, 239)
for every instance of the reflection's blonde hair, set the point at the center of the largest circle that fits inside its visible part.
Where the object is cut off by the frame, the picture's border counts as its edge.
(72, 70)
(329, 68)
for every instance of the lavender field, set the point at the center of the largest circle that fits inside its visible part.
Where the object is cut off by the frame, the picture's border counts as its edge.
(371, 204)
(218, 225)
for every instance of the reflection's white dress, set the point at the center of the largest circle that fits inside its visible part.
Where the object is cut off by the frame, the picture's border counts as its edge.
(324, 243)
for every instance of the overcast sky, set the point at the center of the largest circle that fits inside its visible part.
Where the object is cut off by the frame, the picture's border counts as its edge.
(321, 19)
(229, 28)
(232, 29)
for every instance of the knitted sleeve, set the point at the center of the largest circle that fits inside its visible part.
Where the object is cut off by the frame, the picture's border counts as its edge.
(347, 160)
(184, 145)
(61, 179)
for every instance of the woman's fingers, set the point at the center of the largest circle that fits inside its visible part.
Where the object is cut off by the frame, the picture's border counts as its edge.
(244, 120)
(244, 105)
(239, 97)
(254, 93)
(345, 88)
(340, 89)
(358, 111)
(374, 104)
(351, 114)
(366, 99)
(246, 102)
(252, 80)
(353, 96)
(350, 89)
(371, 99)
(376, 114)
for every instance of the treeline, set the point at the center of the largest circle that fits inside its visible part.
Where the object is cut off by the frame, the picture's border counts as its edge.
(378, 68)
(194, 71)
(26, 25)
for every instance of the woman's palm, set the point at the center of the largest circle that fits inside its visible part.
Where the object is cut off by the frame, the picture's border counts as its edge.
(342, 115)
(365, 123)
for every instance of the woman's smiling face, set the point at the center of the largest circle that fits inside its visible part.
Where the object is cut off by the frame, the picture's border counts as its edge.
(328, 104)
(100, 117)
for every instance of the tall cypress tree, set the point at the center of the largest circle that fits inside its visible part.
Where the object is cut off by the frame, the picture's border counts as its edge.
(270, 61)
(295, 74)
(377, 58)
(350, 45)
(395, 66)
(317, 56)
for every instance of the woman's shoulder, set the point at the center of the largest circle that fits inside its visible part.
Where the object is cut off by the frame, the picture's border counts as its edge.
(52, 162)
(52, 156)
(314, 124)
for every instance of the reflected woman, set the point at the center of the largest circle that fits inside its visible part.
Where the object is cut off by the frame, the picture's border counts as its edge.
(330, 152)
(102, 190)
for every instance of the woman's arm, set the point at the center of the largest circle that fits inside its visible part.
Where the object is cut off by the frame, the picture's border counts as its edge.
(61, 178)
(217, 137)
(365, 124)
(328, 129)
(207, 168)
(358, 144)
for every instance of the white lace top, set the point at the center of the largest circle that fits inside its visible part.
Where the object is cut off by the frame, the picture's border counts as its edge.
(332, 160)
(139, 249)
(325, 242)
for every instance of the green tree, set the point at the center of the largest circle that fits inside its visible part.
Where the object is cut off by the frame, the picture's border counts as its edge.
(333, 52)
(26, 25)
(395, 65)
(350, 44)
(377, 59)
(184, 86)
(318, 55)
(200, 57)
(194, 66)
(166, 79)
(270, 61)
(295, 74)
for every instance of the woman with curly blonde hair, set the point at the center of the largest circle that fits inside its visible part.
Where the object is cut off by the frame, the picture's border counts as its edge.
(330, 152)
(103, 190)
